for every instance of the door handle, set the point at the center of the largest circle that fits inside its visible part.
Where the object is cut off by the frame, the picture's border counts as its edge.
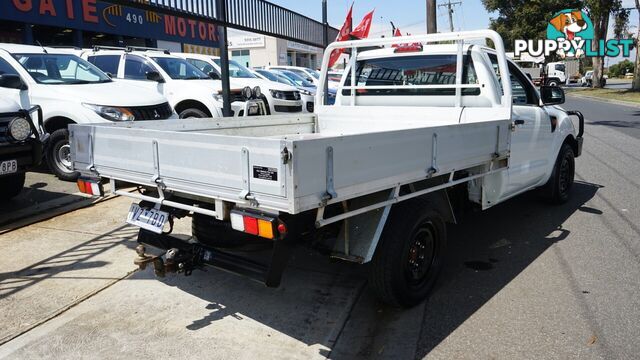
(518, 122)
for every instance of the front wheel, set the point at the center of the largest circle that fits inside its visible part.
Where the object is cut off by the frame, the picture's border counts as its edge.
(553, 82)
(559, 186)
(59, 156)
(192, 113)
(11, 186)
(409, 257)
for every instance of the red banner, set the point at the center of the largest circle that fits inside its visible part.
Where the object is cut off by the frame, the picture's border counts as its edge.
(343, 35)
(362, 30)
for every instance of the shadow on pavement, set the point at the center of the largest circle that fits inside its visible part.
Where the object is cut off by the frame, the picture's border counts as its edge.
(72, 259)
(489, 250)
(486, 252)
(42, 192)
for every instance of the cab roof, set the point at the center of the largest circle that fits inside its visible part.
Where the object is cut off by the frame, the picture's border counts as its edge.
(30, 49)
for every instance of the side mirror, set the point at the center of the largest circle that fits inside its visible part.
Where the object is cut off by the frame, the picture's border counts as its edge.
(552, 95)
(12, 82)
(214, 75)
(155, 76)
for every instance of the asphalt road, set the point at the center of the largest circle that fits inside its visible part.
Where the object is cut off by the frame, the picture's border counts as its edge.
(524, 279)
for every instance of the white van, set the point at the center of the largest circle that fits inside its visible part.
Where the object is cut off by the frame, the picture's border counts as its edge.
(278, 98)
(192, 93)
(72, 91)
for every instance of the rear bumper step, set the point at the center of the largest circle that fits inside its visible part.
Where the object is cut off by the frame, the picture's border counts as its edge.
(184, 257)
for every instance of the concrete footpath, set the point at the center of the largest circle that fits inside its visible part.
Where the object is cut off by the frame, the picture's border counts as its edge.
(70, 289)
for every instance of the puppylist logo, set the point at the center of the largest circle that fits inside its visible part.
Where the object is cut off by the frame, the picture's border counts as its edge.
(570, 35)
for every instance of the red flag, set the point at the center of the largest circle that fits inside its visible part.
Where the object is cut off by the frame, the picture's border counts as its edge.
(343, 35)
(362, 30)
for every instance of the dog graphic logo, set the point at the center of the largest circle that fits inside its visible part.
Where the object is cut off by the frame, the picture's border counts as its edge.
(570, 25)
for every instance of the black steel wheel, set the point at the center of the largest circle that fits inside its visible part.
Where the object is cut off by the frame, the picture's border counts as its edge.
(409, 256)
(561, 182)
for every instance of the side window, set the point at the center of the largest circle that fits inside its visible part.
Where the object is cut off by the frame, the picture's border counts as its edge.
(136, 68)
(523, 92)
(106, 63)
(203, 66)
(6, 68)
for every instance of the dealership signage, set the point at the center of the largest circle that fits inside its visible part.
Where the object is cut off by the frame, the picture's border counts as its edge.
(100, 16)
(246, 42)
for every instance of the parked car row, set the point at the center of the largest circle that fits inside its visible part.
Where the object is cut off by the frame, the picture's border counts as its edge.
(108, 84)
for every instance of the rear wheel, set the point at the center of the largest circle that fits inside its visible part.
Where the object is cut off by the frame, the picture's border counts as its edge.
(553, 82)
(11, 186)
(409, 257)
(59, 156)
(559, 186)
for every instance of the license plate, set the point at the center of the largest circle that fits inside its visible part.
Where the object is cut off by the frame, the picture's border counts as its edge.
(8, 167)
(148, 219)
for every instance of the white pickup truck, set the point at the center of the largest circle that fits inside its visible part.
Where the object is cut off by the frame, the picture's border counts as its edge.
(415, 132)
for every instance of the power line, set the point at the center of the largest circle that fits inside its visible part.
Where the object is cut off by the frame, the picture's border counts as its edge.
(449, 5)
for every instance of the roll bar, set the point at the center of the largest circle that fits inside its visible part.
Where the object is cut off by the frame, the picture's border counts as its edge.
(459, 37)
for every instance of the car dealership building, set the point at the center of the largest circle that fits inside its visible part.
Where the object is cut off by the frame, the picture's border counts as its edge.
(84, 23)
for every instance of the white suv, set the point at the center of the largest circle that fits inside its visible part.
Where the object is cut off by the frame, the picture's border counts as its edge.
(279, 98)
(72, 91)
(192, 93)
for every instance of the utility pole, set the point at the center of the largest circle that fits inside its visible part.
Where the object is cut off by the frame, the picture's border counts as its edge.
(449, 5)
(432, 18)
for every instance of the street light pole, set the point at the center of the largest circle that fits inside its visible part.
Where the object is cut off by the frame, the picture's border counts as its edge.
(224, 58)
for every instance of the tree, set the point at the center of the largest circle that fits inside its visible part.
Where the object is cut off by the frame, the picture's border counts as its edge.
(600, 11)
(525, 19)
(621, 69)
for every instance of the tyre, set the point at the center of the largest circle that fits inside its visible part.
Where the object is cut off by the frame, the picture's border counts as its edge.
(10, 186)
(553, 82)
(266, 105)
(219, 234)
(58, 156)
(558, 188)
(409, 256)
(193, 113)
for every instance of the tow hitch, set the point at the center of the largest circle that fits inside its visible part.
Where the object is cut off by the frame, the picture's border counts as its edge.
(175, 261)
(183, 257)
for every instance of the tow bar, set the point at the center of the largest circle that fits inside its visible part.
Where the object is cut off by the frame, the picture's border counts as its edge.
(181, 256)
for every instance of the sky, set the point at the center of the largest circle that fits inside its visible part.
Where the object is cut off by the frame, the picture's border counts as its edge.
(409, 15)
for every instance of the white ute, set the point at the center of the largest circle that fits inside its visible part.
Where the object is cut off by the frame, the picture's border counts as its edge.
(278, 98)
(72, 91)
(192, 93)
(415, 134)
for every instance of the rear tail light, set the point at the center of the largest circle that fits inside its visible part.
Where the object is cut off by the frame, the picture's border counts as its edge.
(90, 187)
(259, 225)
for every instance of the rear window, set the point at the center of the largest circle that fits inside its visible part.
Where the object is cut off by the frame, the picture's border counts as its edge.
(412, 70)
